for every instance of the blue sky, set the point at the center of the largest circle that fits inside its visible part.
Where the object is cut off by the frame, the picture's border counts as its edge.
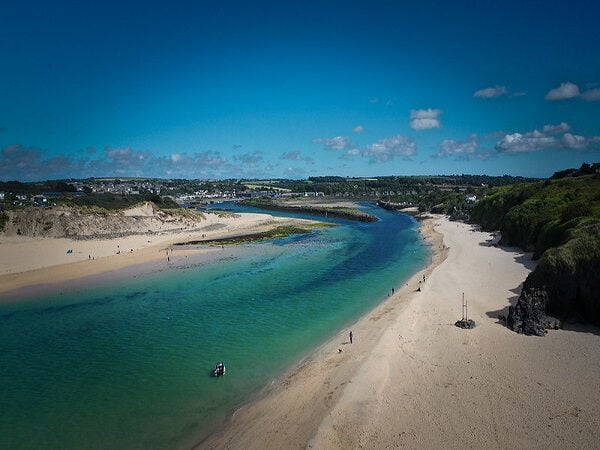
(276, 89)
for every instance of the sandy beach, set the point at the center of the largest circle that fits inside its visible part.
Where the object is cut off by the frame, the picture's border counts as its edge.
(412, 379)
(28, 261)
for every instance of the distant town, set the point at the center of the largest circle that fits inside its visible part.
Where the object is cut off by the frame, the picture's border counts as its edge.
(121, 192)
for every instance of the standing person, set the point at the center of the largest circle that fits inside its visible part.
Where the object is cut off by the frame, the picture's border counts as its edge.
(351, 335)
(392, 291)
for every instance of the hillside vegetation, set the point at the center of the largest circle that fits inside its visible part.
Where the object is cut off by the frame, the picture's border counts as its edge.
(115, 201)
(559, 220)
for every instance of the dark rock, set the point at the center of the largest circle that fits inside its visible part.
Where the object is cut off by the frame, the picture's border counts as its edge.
(466, 324)
(528, 316)
(552, 323)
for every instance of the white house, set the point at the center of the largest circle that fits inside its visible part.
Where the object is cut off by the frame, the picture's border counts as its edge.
(40, 200)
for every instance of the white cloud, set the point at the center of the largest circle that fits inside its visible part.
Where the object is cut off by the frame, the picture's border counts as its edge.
(591, 95)
(525, 143)
(387, 149)
(250, 160)
(463, 150)
(574, 142)
(126, 154)
(554, 129)
(176, 157)
(336, 143)
(568, 90)
(551, 137)
(565, 91)
(491, 92)
(450, 147)
(383, 150)
(424, 119)
(209, 159)
(351, 153)
(292, 156)
(358, 129)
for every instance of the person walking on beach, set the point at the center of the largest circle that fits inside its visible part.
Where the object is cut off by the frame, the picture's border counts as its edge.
(351, 335)
(392, 291)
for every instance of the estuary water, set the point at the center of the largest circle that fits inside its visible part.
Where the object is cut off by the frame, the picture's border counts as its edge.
(126, 363)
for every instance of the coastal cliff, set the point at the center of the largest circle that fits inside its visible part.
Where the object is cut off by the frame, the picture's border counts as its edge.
(559, 221)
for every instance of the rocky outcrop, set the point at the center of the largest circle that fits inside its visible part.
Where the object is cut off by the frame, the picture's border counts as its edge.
(528, 316)
(569, 275)
(565, 284)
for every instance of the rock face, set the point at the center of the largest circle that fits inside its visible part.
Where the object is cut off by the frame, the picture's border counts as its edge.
(565, 284)
(528, 316)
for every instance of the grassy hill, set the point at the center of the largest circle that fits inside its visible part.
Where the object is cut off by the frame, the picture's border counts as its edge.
(559, 220)
(538, 216)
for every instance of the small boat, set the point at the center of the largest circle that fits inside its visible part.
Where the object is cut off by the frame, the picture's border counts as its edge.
(219, 370)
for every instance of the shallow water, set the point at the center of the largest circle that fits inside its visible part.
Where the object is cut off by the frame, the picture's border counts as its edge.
(126, 364)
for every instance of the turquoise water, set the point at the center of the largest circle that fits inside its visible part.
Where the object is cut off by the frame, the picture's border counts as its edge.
(126, 364)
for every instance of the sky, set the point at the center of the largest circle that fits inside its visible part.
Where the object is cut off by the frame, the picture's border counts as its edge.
(295, 89)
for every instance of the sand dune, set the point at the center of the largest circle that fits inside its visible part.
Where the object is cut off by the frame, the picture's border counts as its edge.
(412, 379)
(97, 223)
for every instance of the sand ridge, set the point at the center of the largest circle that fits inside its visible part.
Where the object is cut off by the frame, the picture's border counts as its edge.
(27, 261)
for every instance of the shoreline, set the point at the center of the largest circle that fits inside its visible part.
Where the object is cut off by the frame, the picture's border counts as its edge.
(147, 249)
(314, 209)
(217, 438)
(413, 379)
